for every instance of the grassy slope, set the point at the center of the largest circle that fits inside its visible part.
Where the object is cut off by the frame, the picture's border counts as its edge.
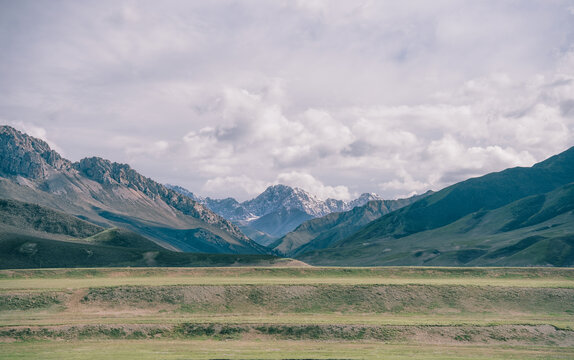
(24, 251)
(35, 218)
(423, 227)
(309, 320)
(34, 236)
(322, 232)
(536, 230)
(487, 192)
(258, 236)
(280, 222)
(121, 238)
(192, 236)
(100, 204)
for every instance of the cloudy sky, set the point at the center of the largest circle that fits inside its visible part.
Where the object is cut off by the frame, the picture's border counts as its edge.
(336, 97)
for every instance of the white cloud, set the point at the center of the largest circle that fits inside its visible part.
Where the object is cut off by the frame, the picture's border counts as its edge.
(156, 149)
(243, 187)
(310, 184)
(366, 96)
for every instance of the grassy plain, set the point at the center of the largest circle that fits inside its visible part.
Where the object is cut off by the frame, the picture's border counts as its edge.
(108, 277)
(209, 349)
(287, 313)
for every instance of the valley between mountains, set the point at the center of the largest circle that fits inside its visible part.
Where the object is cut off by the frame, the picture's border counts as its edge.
(99, 213)
(98, 261)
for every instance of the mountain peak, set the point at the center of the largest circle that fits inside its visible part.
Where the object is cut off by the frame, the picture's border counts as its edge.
(275, 198)
(363, 199)
(283, 206)
(369, 196)
(27, 156)
(280, 196)
(279, 189)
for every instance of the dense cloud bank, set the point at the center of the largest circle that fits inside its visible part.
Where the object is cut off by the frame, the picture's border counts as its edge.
(336, 97)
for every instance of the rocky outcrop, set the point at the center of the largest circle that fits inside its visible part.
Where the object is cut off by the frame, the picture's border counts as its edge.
(33, 159)
(26, 156)
(111, 173)
(186, 192)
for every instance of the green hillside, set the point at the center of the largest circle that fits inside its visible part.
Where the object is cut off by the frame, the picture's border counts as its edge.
(322, 232)
(26, 252)
(536, 230)
(122, 238)
(19, 218)
(465, 222)
(34, 236)
(258, 236)
(280, 222)
(484, 193)
(35, 218)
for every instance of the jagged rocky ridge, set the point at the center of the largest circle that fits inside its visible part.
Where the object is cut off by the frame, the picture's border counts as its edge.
(26, 156)
(276, 211)
(31, 170)
(275, 198)
(111, 173)
(320, 233)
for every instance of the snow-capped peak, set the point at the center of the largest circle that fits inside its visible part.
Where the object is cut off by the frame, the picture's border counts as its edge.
(275, 198)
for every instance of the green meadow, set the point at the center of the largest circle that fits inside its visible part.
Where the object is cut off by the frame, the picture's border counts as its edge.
(287, 313)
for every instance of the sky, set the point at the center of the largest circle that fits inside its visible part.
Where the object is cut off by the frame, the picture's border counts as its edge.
(336, 97)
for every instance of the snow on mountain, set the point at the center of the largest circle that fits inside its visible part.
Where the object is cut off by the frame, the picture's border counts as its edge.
(287, 206)
(112, 194)
(275, 198)
(279, 197)
(362, 200)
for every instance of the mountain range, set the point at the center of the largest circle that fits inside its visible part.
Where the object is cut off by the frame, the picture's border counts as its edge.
(94, 212)
(34, 236)
(111, 194)
(275, 212)
(325, 231)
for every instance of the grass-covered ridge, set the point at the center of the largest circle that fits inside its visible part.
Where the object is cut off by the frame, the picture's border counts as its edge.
(34, 236)
(516, 217)
(24, 251)
(537, 230)
(22, 216)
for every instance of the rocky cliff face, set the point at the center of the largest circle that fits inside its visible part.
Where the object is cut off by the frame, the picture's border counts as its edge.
(276, 198)
(111, 173)
(26, 156)
(31, 158)
(276, 211)
(185, 192)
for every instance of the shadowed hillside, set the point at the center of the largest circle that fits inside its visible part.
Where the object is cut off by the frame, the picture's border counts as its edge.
(527, 211)
(322, 232)
(26, 252)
